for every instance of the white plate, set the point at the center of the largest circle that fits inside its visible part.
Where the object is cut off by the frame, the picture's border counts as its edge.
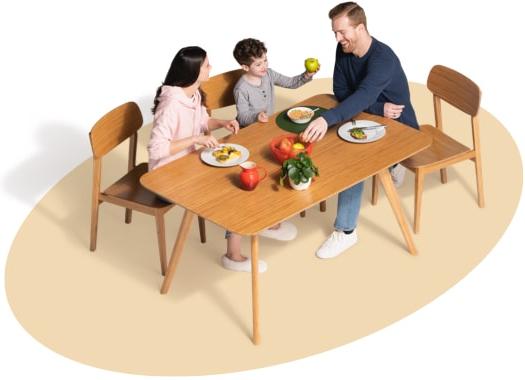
(207, 156)
(371, 134)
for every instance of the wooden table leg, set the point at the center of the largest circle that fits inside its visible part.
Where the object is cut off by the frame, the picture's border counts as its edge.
(255, 289)
(177, 250)
(395, 203)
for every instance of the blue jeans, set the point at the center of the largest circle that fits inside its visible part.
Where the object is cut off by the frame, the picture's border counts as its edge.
(348, 206)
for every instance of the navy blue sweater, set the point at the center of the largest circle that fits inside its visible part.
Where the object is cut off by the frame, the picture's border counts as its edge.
(367, 83)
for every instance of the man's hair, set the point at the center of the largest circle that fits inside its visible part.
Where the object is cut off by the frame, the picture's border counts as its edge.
(352, 10)
(247, 50)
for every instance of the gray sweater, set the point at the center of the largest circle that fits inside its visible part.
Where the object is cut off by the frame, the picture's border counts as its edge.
(251, 100)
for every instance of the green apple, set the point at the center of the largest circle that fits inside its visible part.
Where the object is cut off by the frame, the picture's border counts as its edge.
(311, 64)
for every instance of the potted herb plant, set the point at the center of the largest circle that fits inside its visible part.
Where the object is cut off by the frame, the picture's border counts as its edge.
(299, 171)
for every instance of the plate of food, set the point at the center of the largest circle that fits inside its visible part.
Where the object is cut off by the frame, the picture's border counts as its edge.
(361, 131)
(225, 155)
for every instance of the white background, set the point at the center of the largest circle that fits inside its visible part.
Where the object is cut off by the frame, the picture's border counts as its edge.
(65, 63)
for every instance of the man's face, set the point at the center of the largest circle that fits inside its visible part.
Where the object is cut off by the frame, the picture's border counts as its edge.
(345, 33)
(259, 66)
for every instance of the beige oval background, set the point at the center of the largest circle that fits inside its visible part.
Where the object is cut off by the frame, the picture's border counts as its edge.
(104, 308)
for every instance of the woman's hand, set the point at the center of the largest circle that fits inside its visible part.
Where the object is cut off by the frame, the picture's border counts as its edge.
(232, 126)
(393, 111)
(207, 140)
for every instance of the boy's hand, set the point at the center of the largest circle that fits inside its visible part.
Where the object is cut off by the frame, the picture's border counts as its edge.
(310, 75)
(232, 126)
(262, 117)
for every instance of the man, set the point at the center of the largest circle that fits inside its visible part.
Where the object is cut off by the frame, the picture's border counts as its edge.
(367, 77)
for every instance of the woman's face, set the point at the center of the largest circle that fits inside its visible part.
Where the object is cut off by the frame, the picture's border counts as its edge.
(204, 73)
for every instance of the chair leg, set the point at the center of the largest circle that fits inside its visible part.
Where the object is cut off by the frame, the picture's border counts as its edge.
(418, 194)
(375, 189)
(322, 206)
(303, 214)
(127, 218)
(161, 238)
(94, 225)
(202, 229)
(479, 182)
(443, 173)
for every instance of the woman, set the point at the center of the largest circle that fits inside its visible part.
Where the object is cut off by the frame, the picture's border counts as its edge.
(180, 121)
(180, 118)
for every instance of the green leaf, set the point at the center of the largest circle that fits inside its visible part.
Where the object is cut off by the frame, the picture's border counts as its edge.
(296, 178)
(308, 172)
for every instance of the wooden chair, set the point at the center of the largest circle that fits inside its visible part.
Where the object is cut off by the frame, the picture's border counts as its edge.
(219, 89)
(219, 94)
(463, 94)
(113, 128)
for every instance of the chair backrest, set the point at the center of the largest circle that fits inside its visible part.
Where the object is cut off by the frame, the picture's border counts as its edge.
(219, 89)
(454, 88)
(115, 127)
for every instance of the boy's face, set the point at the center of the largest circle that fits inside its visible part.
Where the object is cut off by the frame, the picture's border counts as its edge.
(259, 66)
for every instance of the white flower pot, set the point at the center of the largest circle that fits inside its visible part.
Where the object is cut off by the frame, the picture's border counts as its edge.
(301, 186)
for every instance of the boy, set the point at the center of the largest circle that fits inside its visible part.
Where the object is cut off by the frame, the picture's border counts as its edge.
(254, 98)
(254, 93)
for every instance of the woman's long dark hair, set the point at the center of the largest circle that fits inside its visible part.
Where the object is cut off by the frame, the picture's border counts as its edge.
(184, 71)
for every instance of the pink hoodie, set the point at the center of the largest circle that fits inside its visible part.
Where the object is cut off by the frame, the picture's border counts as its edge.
(177, 117)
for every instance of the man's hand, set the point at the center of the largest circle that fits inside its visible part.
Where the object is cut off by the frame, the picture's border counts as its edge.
(393, 111)
(315, 131)
(262, 117)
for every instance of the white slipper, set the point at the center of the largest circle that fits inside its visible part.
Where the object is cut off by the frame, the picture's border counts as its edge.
(242, 266)
(287, 231)
(397, 173)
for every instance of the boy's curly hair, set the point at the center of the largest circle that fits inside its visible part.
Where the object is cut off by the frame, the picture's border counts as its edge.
(247, 50)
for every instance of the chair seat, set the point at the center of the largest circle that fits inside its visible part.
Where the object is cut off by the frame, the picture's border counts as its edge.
(443, 148)
(129, 188)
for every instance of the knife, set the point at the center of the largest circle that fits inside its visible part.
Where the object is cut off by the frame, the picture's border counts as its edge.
(367, 128)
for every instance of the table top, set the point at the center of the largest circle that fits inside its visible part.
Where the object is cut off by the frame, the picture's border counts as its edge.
(216, 195)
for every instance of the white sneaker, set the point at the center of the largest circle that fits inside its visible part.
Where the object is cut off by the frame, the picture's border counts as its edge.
(242, 266)
(287, 231)
(336, 244)
(398, 175)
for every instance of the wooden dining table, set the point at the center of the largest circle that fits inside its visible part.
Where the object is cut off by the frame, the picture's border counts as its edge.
(215, 194)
